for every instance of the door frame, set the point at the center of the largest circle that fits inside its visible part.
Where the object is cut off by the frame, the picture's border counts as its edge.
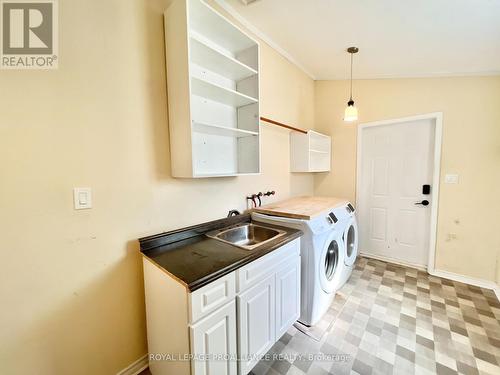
(438, 136)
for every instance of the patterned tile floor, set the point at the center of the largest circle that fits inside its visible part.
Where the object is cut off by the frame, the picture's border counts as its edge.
(397, 320)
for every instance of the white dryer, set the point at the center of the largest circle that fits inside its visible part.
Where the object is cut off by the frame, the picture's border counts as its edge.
(349, 227)
(322, 258)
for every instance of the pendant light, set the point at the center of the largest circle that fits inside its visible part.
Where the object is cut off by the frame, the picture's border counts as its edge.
(351, 112)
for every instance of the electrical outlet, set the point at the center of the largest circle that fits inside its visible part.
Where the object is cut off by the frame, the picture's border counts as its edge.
(451, 179)
(451, 236)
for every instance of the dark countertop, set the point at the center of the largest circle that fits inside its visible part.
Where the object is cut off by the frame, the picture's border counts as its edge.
(196, 260)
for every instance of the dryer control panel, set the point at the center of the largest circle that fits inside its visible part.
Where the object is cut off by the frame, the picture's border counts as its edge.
(340, 214)
(328, 220)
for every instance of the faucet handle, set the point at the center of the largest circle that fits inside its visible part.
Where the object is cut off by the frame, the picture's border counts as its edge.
(233, 213)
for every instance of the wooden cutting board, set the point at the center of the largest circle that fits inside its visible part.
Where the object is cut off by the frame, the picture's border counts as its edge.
(304, 208)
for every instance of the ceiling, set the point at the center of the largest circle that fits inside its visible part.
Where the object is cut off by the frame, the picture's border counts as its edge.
(396, 38)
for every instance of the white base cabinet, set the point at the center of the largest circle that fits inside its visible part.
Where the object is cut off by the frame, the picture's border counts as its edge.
(256, 323)
(266, 311)
(287, 296)
(226, 326)
(215, 337)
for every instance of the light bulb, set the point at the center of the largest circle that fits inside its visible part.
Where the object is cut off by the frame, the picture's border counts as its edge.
(351, 112)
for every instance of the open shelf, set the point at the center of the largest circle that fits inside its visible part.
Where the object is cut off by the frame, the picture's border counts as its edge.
(213, 90)
(319, 143)
(217, 28)
(219, 94)
(210, 57)
(310, 152)
(222, 130)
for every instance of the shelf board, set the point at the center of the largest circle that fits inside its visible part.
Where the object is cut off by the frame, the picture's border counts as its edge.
(230, 174)
(222, 130)
(216, 174)
(318, 151)
(206, 21)
(219, 94)
(318, 135)
(217, 61)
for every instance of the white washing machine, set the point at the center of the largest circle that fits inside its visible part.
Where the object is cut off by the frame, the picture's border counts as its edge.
(349, 227)
(322, 258)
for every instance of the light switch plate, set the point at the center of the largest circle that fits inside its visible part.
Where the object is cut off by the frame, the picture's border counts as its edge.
(451, 179)
(82, 198)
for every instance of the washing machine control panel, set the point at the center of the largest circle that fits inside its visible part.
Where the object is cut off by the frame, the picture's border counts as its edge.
(340, 214)
(332, 219)
(319, 226)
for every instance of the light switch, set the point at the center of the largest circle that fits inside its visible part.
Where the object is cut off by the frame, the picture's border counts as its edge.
(82, 198)
(451, 179)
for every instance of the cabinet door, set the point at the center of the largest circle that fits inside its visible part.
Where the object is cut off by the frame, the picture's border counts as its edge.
(256, 323)
(213, 343)
(287, 296)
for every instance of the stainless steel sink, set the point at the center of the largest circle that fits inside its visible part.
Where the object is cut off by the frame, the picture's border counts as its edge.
(246, 236)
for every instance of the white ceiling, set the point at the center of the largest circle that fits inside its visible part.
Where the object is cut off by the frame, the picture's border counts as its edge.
(396, 38)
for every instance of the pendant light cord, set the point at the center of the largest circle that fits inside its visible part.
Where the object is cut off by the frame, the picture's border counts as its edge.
(351, 75)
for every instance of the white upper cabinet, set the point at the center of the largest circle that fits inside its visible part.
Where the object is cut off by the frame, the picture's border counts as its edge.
(213, 93)
(310, 152)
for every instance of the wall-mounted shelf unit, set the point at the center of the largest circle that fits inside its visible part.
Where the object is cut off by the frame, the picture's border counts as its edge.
(310, 152)
(213, 93)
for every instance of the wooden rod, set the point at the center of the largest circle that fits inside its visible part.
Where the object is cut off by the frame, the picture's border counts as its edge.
(283, 125)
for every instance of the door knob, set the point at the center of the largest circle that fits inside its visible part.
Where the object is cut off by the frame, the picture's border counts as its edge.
(425, 202)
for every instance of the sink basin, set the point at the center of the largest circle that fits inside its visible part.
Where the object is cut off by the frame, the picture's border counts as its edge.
(246, 236)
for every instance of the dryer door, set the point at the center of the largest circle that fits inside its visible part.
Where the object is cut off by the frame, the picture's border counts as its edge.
(350, 238)
(330, 262)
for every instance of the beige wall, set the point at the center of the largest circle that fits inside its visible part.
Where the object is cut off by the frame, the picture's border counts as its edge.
(71, 282)
(470, 147)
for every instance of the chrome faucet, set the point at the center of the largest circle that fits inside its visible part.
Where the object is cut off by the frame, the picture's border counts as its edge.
(233, 213)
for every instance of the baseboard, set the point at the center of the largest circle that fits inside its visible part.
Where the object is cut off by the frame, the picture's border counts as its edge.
(440, 273)
(468, 280)
(497, 292)
(393, 261)
(137, 367)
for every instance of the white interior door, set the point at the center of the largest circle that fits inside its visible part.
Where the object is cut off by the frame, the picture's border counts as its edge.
(396, 161)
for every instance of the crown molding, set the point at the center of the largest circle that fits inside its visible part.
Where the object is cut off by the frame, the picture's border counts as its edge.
(423, 75)
(257, 32)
